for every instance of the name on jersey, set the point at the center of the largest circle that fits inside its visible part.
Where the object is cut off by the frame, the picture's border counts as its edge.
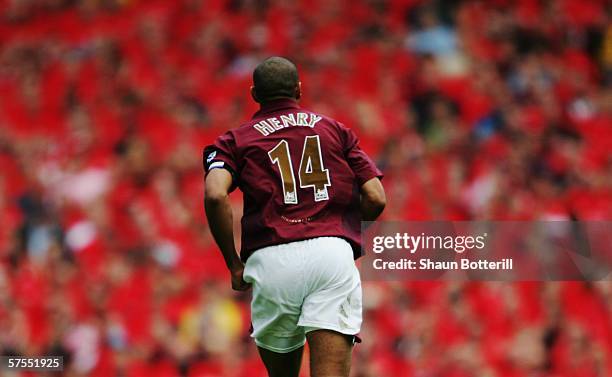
(273, 124)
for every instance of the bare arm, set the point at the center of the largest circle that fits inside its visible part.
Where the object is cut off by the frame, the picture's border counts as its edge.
(220, 221)
(373, 199)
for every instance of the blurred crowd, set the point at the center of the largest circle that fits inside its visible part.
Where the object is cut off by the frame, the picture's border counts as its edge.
(493, 109)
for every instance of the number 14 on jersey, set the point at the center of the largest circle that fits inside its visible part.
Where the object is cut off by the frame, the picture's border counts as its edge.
(312, 172)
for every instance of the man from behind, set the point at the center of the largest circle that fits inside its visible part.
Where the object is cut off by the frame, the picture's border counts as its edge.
(306, 186)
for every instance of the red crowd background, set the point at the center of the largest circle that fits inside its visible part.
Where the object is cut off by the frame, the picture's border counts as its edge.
(486, 110)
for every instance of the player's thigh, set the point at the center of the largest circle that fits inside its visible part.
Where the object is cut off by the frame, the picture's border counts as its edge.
(282, 364)
(330, 353)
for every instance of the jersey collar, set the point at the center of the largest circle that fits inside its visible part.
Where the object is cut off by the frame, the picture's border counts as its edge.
(276, 105)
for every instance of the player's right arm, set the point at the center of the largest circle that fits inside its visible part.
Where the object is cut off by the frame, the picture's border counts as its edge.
(220, 219)
(220, 167)
(373, 199)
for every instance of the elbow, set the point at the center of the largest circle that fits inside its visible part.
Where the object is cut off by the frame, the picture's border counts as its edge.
(373, 199)
(214, 197)
(217, 187)
(380, 203)
(377, 201)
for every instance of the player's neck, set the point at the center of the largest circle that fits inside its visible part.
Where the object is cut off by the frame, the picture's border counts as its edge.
(276, 100)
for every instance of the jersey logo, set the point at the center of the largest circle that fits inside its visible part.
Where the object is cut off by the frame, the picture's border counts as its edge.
(321, 194)
(210, 157)
(290, 197)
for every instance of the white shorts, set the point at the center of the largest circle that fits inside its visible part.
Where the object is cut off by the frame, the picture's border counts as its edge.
(300, 287)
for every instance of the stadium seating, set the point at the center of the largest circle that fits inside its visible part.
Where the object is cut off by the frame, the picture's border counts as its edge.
(487, 110)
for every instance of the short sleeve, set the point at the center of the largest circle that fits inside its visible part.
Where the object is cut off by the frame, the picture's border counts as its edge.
(221, 155)
(362, 165)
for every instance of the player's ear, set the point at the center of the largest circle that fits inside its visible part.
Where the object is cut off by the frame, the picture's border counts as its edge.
(298, 90)
(254, 94)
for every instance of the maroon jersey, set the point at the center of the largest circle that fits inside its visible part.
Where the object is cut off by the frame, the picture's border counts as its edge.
(300, 174)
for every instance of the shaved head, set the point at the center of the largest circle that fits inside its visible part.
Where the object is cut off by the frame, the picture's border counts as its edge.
(275, 78)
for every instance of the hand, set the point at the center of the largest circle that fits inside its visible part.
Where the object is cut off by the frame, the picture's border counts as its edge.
(238, 283)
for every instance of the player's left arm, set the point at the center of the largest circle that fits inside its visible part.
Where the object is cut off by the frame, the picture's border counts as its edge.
(368, 176)
(221, 222)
